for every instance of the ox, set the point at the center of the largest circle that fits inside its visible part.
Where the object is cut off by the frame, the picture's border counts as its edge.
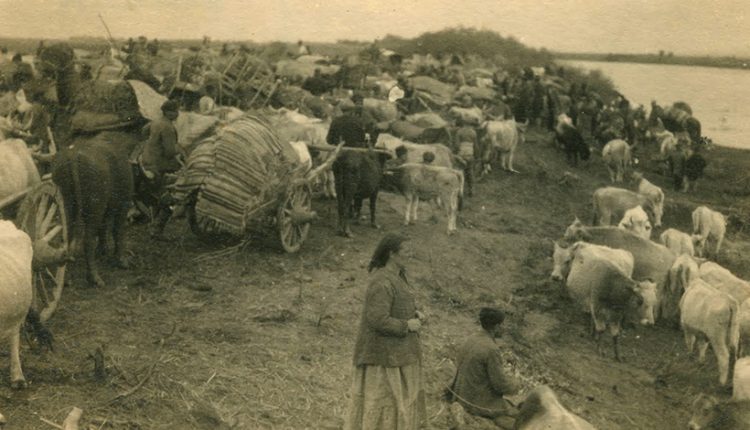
(605, 290)
(651, 260)
(617, 156)
(611, 201)
(636, 221)
(541, 410)
(15, 295)
(357, 175)
(501, 137)
(415, 152)
(681, 274)
(708, 225)
(677, 242)
(571, 139)
(473, 115)
(726, 282)
(711, 414)
(655, 195)
(711, 317)
(419, 181)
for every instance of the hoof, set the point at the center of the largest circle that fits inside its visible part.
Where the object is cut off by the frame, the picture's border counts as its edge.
(19, 384)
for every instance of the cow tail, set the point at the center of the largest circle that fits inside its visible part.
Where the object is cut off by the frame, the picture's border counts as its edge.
(78, 195)
(595, 221)
(460, 190)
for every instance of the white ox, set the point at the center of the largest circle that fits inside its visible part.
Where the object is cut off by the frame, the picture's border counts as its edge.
(711, 317)
(636, 221)
(666, 141)
(726, 282)
(597, 282)
(612, 202)
(541, 410)
(473, 115)
(677, 242)
(708, 225)
(502, 137)
(420, 181)
(415, 151)
(651, 260)
(15, 292)
(617, 156)
(18, 172)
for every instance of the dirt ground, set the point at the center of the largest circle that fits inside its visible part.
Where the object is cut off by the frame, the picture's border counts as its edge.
(195, 338)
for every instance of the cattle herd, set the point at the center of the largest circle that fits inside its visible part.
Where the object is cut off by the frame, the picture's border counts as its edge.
(431, 146)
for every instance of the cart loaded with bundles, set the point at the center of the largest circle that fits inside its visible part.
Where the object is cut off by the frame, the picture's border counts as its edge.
(244, 179)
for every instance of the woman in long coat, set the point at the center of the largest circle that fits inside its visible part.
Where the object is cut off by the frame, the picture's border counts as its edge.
(387, 391)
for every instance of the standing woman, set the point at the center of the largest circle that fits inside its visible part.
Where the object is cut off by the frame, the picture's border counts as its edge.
(387, 390)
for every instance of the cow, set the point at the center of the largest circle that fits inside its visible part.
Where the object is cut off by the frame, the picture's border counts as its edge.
(414, 133)
(655, 195)
(427, 182)
(541, 410)
(666, 141)
(677, 242)
(708, 224)
(726, 282)
(357, 175)
(571, 139)
(636, 220)
(501, 137)
(651, 260)
(16, 254)
(415, 152)
(603, 289)
(711, 317)
(683, 271)
(612, 202)
(741, 379)
(563, 257)
(617, 157)
(711, 414)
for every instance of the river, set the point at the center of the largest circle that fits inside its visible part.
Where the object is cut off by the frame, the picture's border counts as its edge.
(720, 98)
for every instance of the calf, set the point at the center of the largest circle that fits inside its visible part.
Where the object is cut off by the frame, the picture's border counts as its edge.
(417, 181)
(357, 176)
(562, 258)
(636, 220)
(726, 282)
(708, 225)
(541, 410)
(711, 414)
(617, 156)
(711, 317)
(677, 242)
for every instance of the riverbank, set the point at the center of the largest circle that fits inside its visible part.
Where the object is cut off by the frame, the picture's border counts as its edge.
(725, 62)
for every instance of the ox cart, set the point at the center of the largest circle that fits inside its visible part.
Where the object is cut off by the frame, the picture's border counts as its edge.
(35, 204)
(245, 179)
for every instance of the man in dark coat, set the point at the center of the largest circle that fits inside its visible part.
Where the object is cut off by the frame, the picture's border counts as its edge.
(481, 382)
(352, 127)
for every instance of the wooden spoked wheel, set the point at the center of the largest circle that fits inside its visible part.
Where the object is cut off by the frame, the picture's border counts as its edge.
(42, 216)
(293, 223)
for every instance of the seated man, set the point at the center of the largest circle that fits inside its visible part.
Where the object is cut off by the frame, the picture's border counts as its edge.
(480, 382)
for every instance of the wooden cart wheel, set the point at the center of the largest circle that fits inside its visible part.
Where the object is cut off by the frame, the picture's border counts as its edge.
(293, 233)
(42, 217)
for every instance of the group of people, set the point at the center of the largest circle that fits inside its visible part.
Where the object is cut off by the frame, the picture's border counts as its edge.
(387, 389)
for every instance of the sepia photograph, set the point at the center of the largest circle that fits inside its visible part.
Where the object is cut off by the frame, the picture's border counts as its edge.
(374, 215)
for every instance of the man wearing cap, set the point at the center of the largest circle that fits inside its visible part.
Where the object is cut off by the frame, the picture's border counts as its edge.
(481, 382)
(159, 157)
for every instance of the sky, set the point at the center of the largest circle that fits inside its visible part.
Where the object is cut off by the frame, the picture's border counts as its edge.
(685, 27)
